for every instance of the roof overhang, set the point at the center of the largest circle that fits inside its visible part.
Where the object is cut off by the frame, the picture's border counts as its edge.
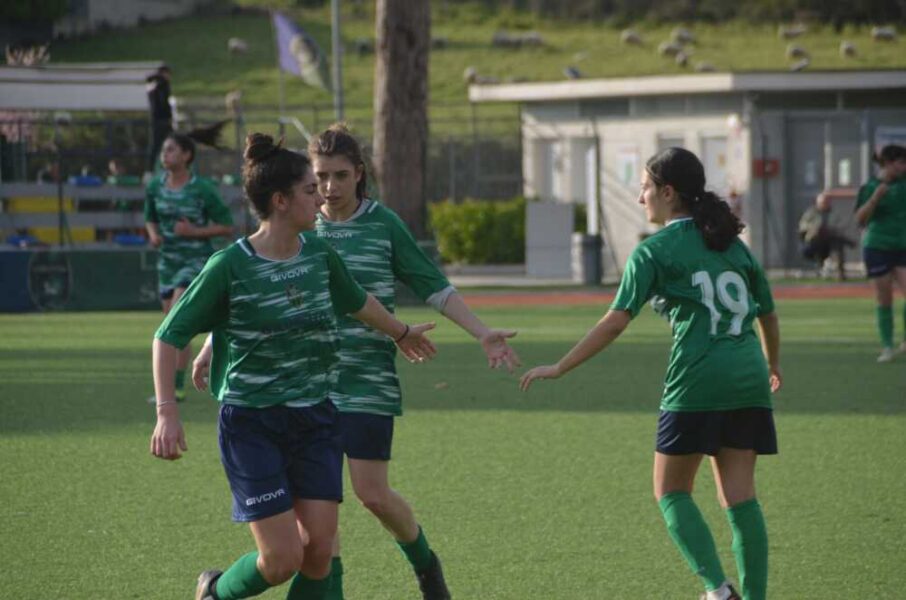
(77, 86)
(704, 83)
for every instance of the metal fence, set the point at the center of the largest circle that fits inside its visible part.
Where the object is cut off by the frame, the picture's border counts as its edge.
(473, 151)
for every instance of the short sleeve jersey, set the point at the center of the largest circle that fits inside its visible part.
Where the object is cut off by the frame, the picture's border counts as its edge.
(198, 201)
(273, 322)
(378, 249)
(710, 299)
(886, 230)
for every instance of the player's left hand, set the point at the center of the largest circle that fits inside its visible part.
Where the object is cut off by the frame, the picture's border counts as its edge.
(498, 351)
(183, 228)
(542, 372)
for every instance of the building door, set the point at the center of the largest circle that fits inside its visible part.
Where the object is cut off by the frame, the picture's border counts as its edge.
(825, 153)
(806, 179)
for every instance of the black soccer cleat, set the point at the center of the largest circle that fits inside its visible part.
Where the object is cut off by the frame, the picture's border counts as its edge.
(734, 595)
(431, 581)
(205, 588)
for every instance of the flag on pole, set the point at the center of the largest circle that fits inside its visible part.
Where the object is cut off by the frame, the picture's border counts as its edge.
(298, 53)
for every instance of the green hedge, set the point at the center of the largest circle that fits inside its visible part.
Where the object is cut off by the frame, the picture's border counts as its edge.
(480, 231)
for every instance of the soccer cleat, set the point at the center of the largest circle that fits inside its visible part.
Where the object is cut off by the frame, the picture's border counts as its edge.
(725, 592)
(205, 588)
(431, 581)
(886, 355)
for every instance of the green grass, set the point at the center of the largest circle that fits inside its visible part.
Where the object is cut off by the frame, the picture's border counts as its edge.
(538, 496)
(196, 47)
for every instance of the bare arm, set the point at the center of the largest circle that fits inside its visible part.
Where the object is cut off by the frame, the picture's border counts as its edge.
(493, 341)
(153, 234)
(411, 340)
(168, 439)
(865, 212)
(769, 329)
(601, 335)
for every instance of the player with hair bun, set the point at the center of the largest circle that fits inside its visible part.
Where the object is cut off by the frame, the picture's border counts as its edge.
(270, 301)
(717, 395)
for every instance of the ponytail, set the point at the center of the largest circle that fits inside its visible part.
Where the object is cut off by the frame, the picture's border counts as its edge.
(681, 169)
(714, 219)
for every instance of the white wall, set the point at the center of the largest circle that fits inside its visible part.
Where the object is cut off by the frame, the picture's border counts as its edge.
(626, 144)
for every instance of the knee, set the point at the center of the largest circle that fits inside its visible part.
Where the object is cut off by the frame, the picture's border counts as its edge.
(377, 501)
(318, 555)
(280, 566)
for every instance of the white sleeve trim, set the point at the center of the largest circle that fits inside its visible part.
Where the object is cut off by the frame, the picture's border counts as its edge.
(438, 300)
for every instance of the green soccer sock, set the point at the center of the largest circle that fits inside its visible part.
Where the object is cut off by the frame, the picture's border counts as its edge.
(904, 323)
(885, 325)
(691, 535)
(750, 547)
(417, 552)
(335, 589)
(241, 580)
(303, 588)
(180, 379)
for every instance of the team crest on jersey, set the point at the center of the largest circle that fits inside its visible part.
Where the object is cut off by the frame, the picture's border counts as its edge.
(294, 295)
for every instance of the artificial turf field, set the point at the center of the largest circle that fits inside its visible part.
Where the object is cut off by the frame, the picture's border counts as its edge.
(544, 495)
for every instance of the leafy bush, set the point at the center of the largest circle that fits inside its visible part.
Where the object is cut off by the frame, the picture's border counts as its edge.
(480, 232)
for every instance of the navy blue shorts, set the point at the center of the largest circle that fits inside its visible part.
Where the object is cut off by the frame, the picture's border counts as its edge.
(278, 454)
(881, 262)
(366, 436)
(706, 432)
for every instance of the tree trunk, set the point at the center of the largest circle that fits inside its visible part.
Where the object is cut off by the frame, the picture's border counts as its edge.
(402, 45)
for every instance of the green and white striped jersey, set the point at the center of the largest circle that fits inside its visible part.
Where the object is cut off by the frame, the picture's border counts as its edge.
(180, 259)
(378, 249)
(273, 322)
(710, 299)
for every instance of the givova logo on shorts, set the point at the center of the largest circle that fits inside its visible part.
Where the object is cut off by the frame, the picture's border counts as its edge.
(265, 497)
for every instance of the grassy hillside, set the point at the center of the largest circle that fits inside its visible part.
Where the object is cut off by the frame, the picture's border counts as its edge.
(196, 47)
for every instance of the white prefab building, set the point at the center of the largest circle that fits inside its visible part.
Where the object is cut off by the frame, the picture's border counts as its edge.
(770, 142)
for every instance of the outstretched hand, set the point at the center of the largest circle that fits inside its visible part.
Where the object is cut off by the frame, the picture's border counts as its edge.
(542, 372)
(415, 345)
(498, 351)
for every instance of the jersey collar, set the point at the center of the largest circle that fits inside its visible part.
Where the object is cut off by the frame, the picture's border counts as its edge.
(679, 220)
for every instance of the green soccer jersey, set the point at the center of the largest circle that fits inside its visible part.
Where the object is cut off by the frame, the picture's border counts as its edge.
(180, 259)
(378, 249)
(886, 230)
(273, 322)
(710, 299)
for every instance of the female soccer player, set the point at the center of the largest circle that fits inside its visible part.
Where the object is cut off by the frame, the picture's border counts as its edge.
(182, 214)
(716, 401)
(881, 210)
(270, 301)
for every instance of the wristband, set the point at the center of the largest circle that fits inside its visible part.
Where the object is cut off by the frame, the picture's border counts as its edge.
(165, 402)
(400, 338)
